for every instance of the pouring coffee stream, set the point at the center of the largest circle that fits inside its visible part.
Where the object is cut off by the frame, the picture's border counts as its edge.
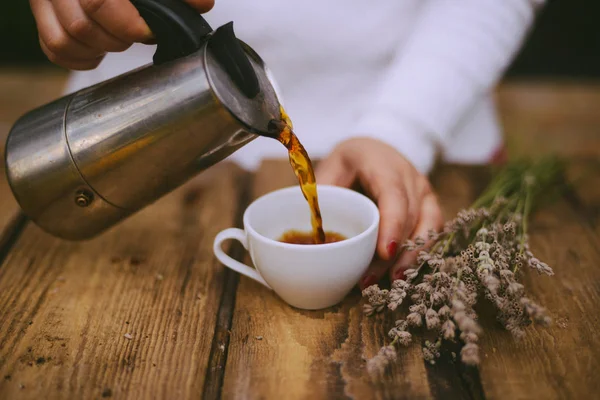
(302, 166)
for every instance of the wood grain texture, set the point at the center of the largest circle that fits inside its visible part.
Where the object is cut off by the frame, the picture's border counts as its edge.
(9, 209)
(562, 361)
(321, 354)
(299, 352)
(277, 351)
(457, 187)
(583, 178)
(65, 307)
(20, 91)
(220, 343)
(129, 314)
(12, 221)
(550, 117)
(23, 89)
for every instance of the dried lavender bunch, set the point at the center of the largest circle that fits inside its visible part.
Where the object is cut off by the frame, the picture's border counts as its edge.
(481, 253)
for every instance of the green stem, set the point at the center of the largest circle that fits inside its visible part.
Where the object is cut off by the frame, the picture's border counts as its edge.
(505, 210)
(526, 210)
(448, 241)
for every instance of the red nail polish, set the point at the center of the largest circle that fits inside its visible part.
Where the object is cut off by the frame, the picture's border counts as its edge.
(399, 274)
(392, 248)
(500, 156)
(367, 281)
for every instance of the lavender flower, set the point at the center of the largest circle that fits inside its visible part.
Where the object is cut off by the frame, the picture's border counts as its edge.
(378, 364)
(414, 319)
(377, 298)
(448, 330)
(469, 354)
(402, 337)
(428, 355)
(368, 309)
(444, 312)
(431, 319)
(397, 294)
(515, 288)
(410, 274)
(418, 308)
(479, 255)
(535, 312)
(401, 324)
(431, 351)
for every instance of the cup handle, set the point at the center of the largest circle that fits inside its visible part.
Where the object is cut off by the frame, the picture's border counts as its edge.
(225, 259)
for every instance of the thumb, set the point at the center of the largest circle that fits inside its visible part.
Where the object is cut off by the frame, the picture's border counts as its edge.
(201, 5)
(334, 171)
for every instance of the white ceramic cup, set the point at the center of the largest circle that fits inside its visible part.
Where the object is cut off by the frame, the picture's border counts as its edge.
(309, 277)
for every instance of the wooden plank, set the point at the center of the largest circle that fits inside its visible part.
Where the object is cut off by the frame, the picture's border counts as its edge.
(130, 314)
(457, 187)
(20, 91)
(299, 351)
(583, 178)
(12, 221)
(316, 354)
(547, 364)
(10, 218)
(24, 89)
(562, 361)
(281, 352)
(321, 354)
(550, 117)
(220, 344)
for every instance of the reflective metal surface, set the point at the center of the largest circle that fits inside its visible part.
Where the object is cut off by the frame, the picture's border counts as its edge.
(137, 138)
(45, 181)
(81, 164)
(255, 113)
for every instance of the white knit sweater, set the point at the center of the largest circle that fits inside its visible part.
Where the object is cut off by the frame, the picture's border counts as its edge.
(417, 74)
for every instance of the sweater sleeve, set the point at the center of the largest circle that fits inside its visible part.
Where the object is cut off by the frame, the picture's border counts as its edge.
(457, 51)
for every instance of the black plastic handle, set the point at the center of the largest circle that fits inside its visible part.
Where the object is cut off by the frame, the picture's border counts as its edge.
(230, 54)
(178, 28)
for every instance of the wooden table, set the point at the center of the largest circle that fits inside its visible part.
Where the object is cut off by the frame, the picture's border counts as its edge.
(145, 311)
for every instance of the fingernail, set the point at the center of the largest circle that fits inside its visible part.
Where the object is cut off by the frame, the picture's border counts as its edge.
(500, 156)
(367, 281)
(148, 35)
(392, 248)
(399, 274)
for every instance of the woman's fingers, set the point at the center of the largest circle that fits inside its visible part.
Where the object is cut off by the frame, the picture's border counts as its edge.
(398, 206)
(79, 26)
(74, 64)
(76, 34)
(393, 208)
(430, 218)
(406, 203)
(120, 18)
(201, 5)
(58, 45)
(376, 271)
(333, 170)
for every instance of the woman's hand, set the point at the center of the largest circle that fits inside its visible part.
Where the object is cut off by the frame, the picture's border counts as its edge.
(77, 34)
(407, 204)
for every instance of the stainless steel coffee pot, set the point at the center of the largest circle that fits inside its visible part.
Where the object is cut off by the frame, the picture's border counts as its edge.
(84, 162)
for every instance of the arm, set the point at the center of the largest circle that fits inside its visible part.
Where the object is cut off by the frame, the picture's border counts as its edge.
(457, 52)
